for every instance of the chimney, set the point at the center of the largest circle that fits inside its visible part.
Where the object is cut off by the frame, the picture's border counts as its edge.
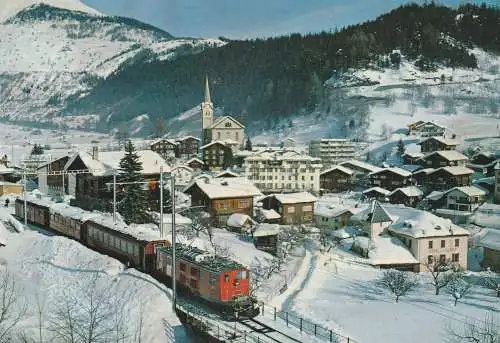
(95, 153)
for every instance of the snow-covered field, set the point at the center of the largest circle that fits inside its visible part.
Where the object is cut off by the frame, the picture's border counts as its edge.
(52, 270)
(344, 296)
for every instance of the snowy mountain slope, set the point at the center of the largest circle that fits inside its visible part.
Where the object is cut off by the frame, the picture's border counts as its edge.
(9, 8)
(49, 54)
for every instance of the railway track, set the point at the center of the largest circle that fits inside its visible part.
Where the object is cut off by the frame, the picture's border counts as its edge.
(269, 332)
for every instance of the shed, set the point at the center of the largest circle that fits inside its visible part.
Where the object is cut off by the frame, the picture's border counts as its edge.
(266, 237)
(269, 216)
(240, 222)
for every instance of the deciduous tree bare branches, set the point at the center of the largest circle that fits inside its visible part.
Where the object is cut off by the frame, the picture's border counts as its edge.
(398, 282)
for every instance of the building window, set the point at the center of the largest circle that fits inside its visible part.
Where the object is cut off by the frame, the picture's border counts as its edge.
(409, 243)
(243, 203)
(430, 259)
(307, 208)
(457, 242)
(430, 244)
(291, 209)
(454, 257)
(237, 136)
(218, 135)
(442, 258)
(443, 243)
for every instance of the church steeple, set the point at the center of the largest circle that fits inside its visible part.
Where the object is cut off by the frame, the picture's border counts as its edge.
(207, 115)
(207, 91)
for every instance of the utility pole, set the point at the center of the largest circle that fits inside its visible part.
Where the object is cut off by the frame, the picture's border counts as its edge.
(114, 196)
(161, 201)
(24, 196)
(174, 291)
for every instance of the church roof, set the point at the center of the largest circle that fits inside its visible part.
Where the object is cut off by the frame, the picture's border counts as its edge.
(207, 91)
(218, 121)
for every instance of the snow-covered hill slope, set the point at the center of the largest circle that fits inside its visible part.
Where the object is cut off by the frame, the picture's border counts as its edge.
(51, 52)
(9, 8)
(374, 103)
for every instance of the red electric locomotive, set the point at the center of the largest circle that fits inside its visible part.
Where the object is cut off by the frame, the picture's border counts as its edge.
(221, 282)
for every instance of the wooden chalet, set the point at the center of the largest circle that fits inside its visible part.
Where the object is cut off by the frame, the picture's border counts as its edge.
(376, 193)
(411, 158)
(294, 208)
(466, 198)
(94, 189)
(446, 158)
(448, 177)
(490, 242)
(390, 178)
(337, 179)
(188, 146)
(166, 148)
(195, 164)
(222, 197)
(216, 155)
(484, 158)
(420, 176)
(426, 129)
(51, 184)
(409, 196)
(437, 143)
(360, 169)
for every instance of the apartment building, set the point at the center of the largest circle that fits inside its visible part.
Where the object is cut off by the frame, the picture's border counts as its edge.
(284, 170)
(332, 151)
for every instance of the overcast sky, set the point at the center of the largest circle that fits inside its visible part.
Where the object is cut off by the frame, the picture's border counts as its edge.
(250, 18)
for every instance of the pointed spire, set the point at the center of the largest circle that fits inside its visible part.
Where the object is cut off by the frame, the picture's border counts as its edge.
(207, 91)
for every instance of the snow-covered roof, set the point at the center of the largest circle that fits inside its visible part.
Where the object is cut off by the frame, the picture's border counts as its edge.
(182, 166)
(449, 155)
(194, 159)
(221, 119)
(414, 154)
(179, 139)
(419, 224)
(409, 191)
(226, 172)
(6, 183)
(490, 240)
(427, 123)
(362, 165)
(435, 195)
(109, 160)
(454, 170)
(294, 198)
(226, 187)
(145, 232)
(170, 141)
(440, 139)
(212, 143)
(378, 190)
(497, 166)
(424, 171)
(71, 211)
(388, 250)
(6, 170)
(269, 214)
(238, 220)
(471, 191)
(395, 170)
(374, 213)
(266, 229)
(285, 154)
(340, 168)
(325, 211)
(412, 168)
(487, 207)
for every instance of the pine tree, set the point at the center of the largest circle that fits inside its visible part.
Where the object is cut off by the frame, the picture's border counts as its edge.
(133, 206)
(37, 150)
(401, 147)
(228, 158)
(248, 144)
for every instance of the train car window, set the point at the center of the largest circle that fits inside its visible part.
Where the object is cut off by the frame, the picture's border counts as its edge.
(226, 278)
(243, 274)
(101, 236)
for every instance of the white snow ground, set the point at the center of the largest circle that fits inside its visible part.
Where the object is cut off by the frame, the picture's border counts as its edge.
(54, 268)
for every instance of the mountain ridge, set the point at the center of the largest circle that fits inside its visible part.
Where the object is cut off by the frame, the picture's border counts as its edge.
(9, 8)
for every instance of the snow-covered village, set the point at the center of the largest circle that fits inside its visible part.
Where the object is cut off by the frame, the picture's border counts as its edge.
(164, 189)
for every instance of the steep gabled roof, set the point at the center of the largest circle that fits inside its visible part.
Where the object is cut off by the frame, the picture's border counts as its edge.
(446, 141)
(212, 143)
(449, 155)
(340, 168)
(180, 139)
(169, 141)
(468, 190)
(295, 198)
(362, 165)
(409, 191)
(221, 119)
(194, 159)
(378, 190)
(225, 188)
(379, 214)
(455, 170)
(395, 170)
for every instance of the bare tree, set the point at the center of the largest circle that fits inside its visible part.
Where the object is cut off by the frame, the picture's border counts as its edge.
(492, 281)
(458, 287)
(478, 331)
(398, 282)
(441, 272)
(11, 310)
(200, 222)
(94, 315)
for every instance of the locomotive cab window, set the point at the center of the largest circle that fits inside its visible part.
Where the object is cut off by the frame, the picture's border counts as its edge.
(226, 278)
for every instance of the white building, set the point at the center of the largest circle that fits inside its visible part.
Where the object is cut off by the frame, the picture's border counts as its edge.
(332, 151)
(283, 170)
(183, 174)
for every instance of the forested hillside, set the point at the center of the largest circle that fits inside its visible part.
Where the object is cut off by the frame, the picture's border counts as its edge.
(277, 77)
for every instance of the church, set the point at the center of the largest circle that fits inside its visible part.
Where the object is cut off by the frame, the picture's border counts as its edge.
(225, 129)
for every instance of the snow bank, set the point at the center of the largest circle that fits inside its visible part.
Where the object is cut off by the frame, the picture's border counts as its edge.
(55, 268)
